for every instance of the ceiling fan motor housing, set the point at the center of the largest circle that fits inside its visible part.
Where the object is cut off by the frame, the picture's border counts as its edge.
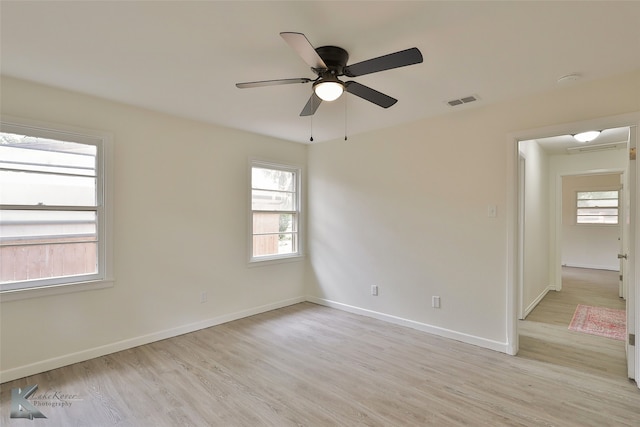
(334, 57)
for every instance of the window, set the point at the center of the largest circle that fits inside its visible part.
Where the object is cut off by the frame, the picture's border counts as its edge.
(597, 207)
(52, 210)
(275, 211)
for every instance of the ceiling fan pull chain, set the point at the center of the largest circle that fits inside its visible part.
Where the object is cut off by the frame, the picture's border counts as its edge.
(311, 131)
(345, 118)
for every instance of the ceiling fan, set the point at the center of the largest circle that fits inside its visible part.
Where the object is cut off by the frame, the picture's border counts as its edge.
(329, 63)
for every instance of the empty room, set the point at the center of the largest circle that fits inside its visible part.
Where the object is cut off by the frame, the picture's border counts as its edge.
(319, 213)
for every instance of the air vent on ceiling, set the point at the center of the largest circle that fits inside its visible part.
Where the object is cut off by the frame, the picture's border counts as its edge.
(460, 101)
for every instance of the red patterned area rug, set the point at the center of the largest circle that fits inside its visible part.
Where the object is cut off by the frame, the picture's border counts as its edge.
(602, 321)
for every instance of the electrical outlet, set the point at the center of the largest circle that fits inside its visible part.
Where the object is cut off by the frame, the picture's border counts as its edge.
(435, 302)
(374, 290)
(203, 297)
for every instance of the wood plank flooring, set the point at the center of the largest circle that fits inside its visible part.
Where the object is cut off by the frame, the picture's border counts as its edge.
(308, 365)
(545, 336)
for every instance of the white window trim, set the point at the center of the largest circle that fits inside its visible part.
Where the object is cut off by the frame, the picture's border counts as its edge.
(275, 259)
(105, 276)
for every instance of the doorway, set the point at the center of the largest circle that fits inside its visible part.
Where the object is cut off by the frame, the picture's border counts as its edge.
(550, 265)
(578, 186)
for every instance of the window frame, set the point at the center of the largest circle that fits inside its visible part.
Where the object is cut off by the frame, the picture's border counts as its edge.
(278, 258)
(104, 211)
(598, 190)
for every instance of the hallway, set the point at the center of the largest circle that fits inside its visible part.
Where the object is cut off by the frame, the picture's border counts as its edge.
(544, 334)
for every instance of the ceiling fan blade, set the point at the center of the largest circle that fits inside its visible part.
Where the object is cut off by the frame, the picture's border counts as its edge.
(386, 62)
(371, 95)
(272, 83)
(301, 45)
(312, 105)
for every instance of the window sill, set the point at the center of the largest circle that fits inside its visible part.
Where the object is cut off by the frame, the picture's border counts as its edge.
(271, 261)
(44, 291)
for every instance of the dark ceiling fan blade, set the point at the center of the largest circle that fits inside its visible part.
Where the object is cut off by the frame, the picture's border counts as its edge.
(312, 105)
(371, 95)
(386, 62)
(272, 82)
(301, 45)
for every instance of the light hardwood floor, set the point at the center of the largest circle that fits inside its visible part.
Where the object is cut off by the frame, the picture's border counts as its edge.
(308, 365)
(545, 336)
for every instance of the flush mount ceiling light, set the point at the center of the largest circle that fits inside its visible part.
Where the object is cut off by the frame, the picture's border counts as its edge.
(328, 88)
(587, 136)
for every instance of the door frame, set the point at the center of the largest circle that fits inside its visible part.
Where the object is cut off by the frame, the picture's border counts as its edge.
(522, 167)
(513, 219)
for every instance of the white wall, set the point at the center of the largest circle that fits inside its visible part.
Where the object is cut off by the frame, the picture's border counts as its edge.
(406, 209)
(589, 245)
(180, 229)
(535, 280)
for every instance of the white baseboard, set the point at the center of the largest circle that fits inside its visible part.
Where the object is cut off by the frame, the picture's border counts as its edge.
(536, 301)
(81, 356)
(502, 347)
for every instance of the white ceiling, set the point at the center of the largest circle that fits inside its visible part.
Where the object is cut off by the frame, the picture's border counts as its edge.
(184, 58)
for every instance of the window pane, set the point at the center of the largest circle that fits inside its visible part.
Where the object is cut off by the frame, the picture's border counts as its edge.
(273, 179)
(584, 195)
(23, 225)
(273, 223)
(54, 156)
(598, 212)
(36, 188)
(39, 171)
(274, 244)
(47, 244)
(598, 203)
(265, 200)
(597, 219)
(47, 260)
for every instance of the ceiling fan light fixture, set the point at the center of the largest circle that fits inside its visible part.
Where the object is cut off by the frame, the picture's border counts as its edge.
(586, 136)
(328, 89)
(329, 63)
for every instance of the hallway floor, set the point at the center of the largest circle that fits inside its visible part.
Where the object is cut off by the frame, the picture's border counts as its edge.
(544, 334)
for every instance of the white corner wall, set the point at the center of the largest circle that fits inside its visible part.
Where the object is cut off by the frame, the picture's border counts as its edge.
(180, 229)
(406, 209)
